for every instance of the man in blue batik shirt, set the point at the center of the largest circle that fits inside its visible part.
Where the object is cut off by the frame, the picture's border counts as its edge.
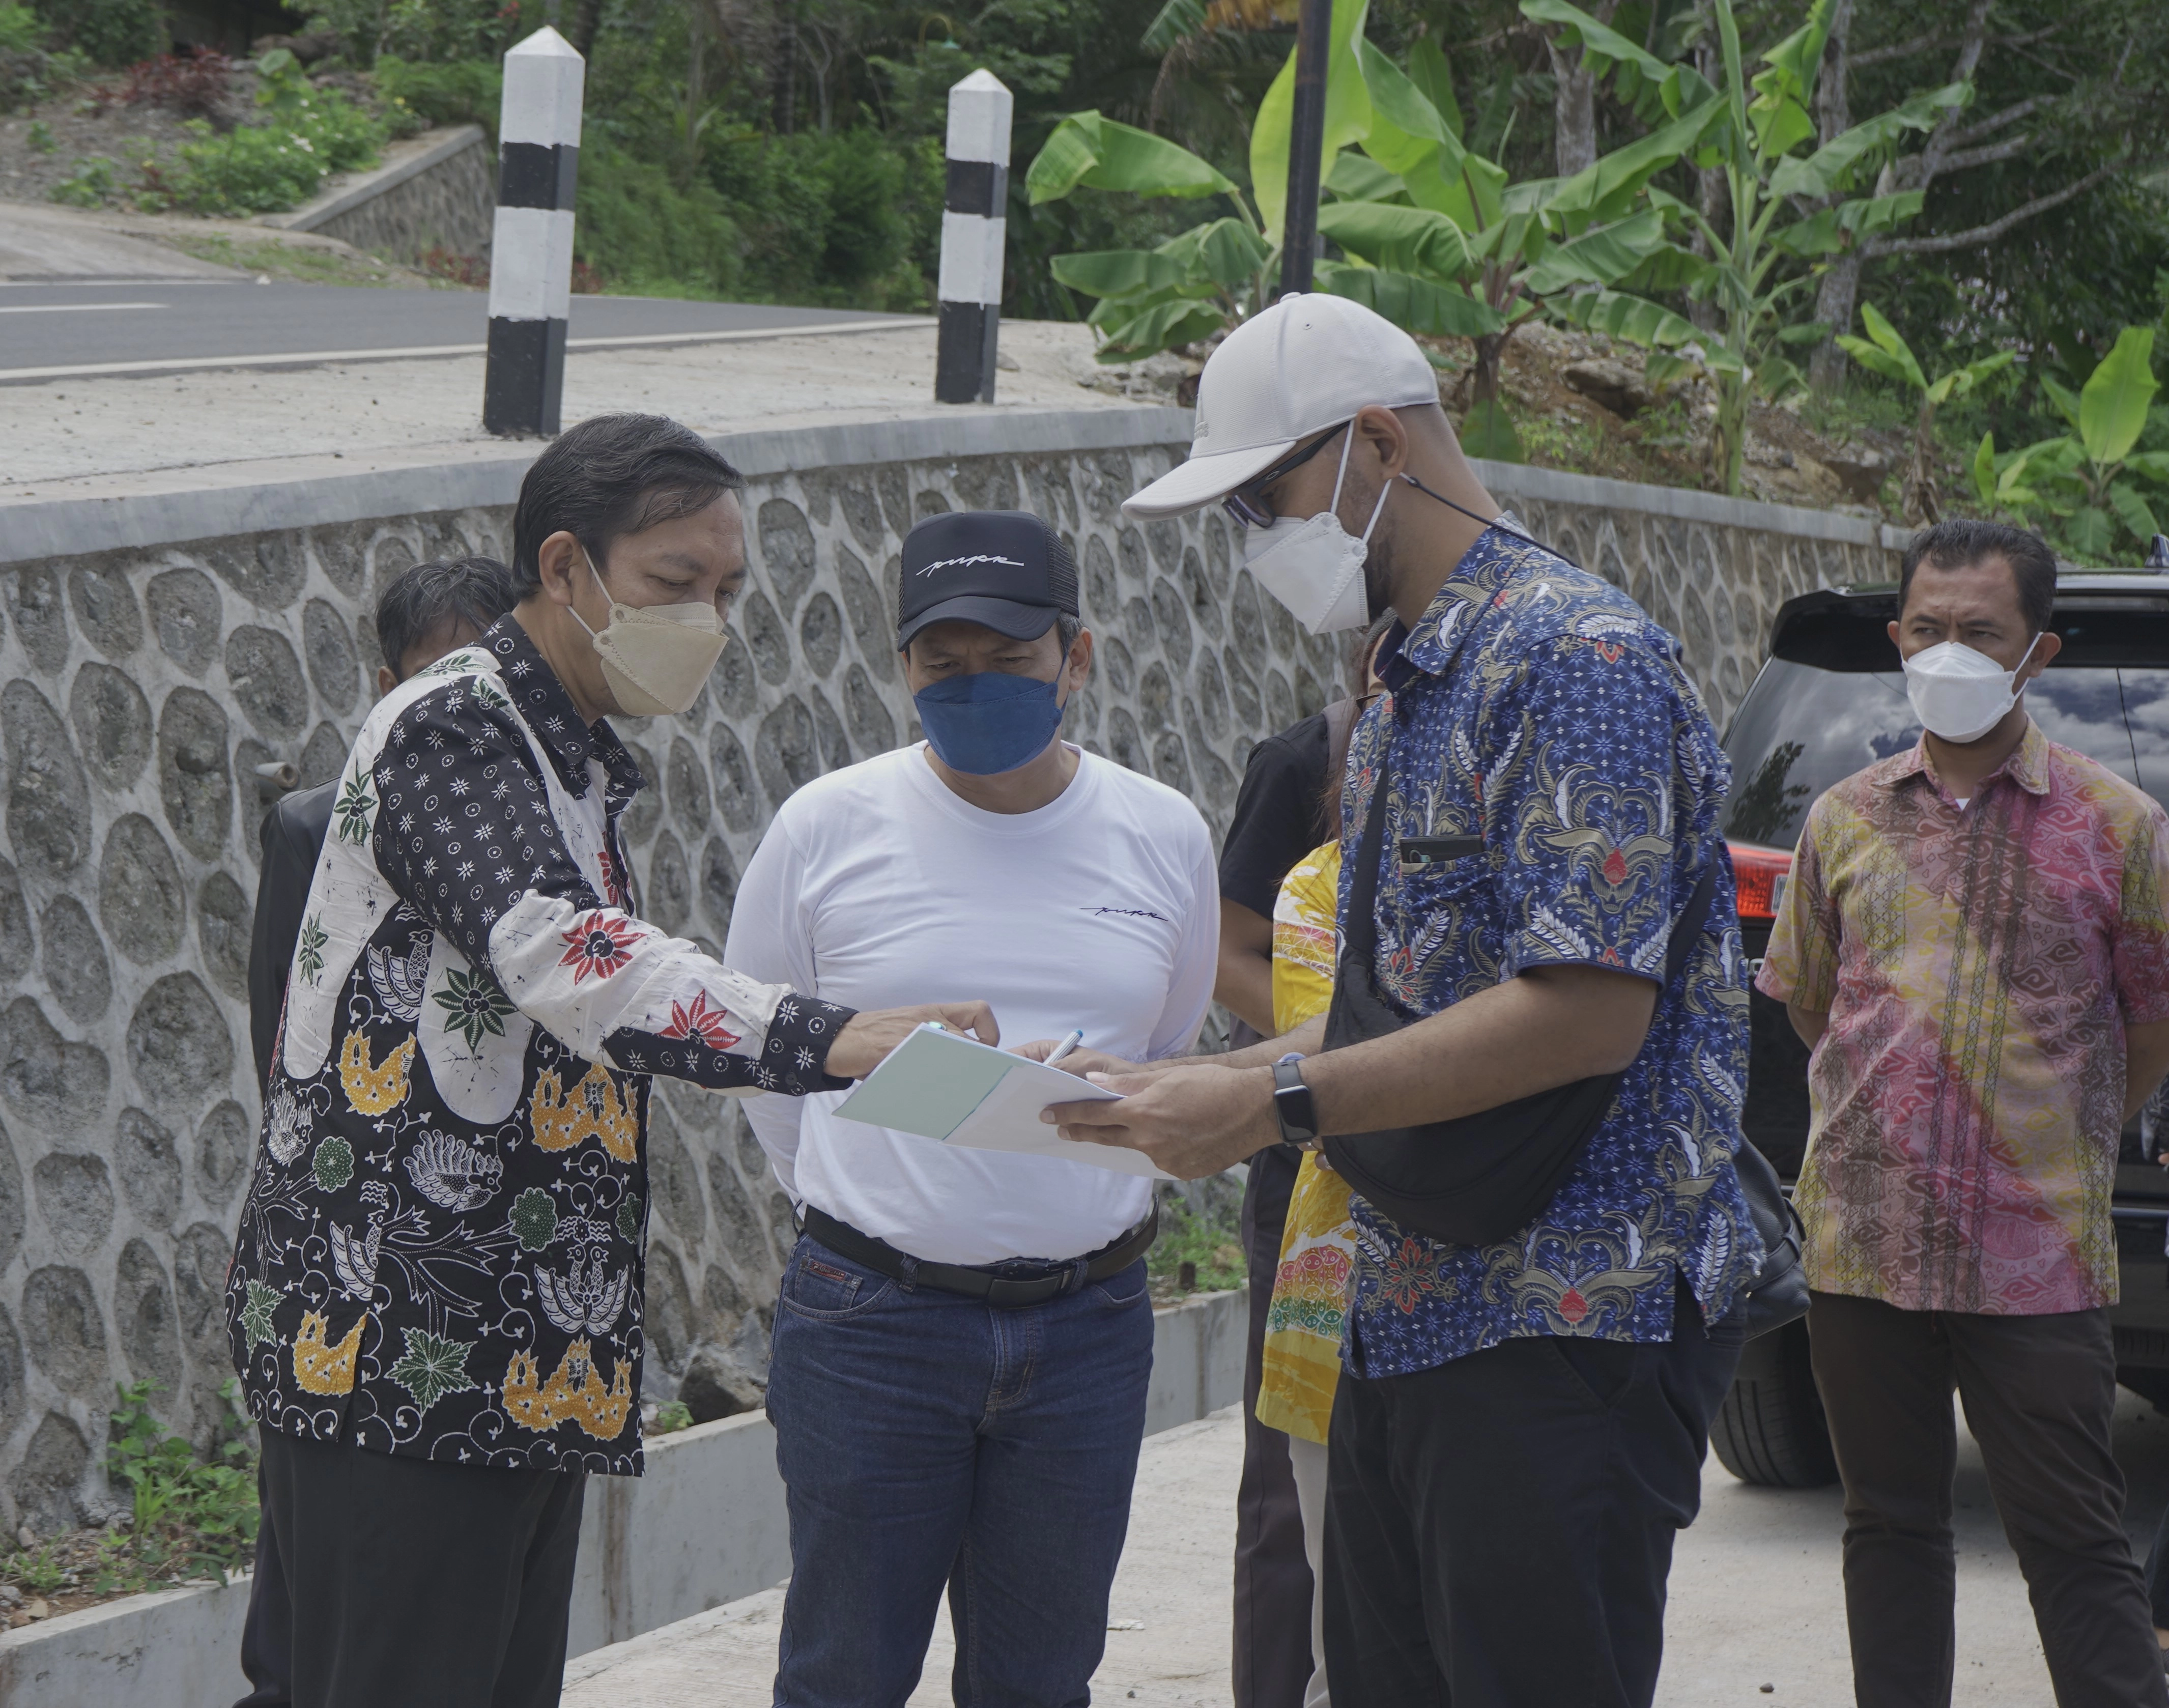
(1522, 1432)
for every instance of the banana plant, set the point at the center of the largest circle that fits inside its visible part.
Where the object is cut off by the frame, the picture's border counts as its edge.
(1789, 205)
(2094, 475)
(1885, 352)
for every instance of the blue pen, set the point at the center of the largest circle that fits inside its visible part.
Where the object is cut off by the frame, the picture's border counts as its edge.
(1067, 1044)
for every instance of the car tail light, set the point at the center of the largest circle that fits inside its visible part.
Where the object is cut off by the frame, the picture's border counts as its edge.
(1760, 875)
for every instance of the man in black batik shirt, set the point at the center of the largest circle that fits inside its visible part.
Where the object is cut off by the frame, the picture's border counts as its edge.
(435, 1305)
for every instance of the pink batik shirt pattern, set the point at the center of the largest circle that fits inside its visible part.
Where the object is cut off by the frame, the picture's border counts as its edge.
(1978, 965)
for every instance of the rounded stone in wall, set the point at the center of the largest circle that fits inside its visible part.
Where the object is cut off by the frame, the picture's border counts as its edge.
(871, 626)
(1130, 553)
(1280, 631)
(1156, 700)
(266, 680)
(344, 552)
(868, 718)
(200, 1255)
(266, 569)
(687, 785)
(1204, 603)
(987, 484)
(783, 751)
(65, 1334)
(737, 690)
(11, 1208)
(45, 1479)
(48, 795)
(821, 634)
(334, 666)
(1212, 695)
(390, 557)
(1138, 628)
(862, 515)
(667, 898)
(149, 1164)
(141, 902)
(645, 812)
(721, 1294)
(112, 721)
(719, 884)
(675, 1178)
(1164, 540)
(56, 1085)
(1170, 763)
(185, 614)
(1219, 554)
(895, 490)
(223, 1145)
(1280, 702)
(767, 638)
(75, 1201)
(325, 756)
(828, 729)
(35, 601)
(736, 802)
(179, 1047)
(143, 1313)
(669, 1309)
(1309, 697)
(1103, 602)
(787, 551)
(1125, 744)
(194, 778)
(926, 502)
(225, 922)
(1171, 619)
(74, 961)
(1112, 657)
(105, 605)
(18, 947)
(1246, 622)
(12, 1383)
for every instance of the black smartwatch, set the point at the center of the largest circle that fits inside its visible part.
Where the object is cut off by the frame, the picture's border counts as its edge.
(1292, 1105)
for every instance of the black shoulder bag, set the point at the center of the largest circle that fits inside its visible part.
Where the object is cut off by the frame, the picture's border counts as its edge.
(1484, 1177)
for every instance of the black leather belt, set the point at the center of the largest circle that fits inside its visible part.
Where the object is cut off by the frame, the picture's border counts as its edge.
(1009, 1291)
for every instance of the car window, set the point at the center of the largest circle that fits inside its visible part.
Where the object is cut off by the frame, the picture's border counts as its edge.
(1802, 728)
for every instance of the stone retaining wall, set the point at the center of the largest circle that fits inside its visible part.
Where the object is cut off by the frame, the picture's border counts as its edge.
(442, 196)
(141, 688)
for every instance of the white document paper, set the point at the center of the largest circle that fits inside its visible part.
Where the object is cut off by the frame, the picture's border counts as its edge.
(940, 1086)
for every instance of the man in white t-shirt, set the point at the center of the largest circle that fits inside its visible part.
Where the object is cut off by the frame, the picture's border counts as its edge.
(964, 1340)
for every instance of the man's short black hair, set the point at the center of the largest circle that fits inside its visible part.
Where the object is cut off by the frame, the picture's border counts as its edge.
(473, 590)
(1962, 541)
(611, 475)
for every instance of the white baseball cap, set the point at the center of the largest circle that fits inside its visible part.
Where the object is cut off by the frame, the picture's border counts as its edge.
(1307, 363)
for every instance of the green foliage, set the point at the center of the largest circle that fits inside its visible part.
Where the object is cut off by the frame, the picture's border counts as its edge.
(40, 139)
(109, 32)
(645, 235)
(458, 92)
(670, 1416)
(1212, 1241)
(21, 29)
(304, 135)
(190, 1513)
(94, 182)
(1885, 352)
(31, 68)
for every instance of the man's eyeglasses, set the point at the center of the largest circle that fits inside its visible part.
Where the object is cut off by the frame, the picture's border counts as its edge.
(1252, 511)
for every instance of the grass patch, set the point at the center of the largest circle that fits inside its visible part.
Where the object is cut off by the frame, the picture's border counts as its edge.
(303, 263)
(1212, 1243)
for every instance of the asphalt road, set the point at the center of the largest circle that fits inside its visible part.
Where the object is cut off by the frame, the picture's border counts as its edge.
(52, 331)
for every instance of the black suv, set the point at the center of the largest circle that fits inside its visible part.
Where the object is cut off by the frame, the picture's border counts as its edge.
(1831, 700)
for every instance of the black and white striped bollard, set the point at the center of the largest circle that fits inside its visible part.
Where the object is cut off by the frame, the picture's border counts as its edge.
(531, 258)
(972, 224)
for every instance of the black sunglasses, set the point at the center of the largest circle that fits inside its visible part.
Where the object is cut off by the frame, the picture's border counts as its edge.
(1249, 511)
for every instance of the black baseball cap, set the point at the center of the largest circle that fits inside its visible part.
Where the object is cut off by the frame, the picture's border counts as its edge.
(1004, 568)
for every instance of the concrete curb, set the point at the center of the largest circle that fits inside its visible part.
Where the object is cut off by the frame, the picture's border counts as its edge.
(705, 1526)
(315, 497)
(362, 188)
(1520, 480)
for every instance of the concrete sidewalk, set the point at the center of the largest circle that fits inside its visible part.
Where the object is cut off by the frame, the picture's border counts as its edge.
(1757, 1608)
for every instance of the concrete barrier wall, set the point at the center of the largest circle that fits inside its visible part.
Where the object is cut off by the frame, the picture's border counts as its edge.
(705, 1526)
(438, 191)
(154, 651)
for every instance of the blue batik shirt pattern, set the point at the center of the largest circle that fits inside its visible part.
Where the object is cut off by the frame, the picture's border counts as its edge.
(1535, 705)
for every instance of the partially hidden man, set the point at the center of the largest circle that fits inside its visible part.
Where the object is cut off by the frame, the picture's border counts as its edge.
(435, 1305)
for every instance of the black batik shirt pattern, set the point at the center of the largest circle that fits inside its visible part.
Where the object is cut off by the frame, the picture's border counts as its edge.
(441, 1251)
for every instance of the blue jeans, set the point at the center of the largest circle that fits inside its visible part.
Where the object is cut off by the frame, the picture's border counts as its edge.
(929, 1439)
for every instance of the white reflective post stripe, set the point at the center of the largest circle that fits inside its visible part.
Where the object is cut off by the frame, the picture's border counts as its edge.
(979, 110)
(971, 259)
(543, 82)
(530, 265)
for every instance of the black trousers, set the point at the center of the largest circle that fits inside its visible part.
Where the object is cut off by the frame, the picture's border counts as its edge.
(425, 1584)
(267, 1636)
(2038, 1391)
(1498, 1529)
(1272, 1657)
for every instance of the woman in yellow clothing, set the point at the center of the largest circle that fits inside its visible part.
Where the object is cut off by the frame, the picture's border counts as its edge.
(1309, 1308)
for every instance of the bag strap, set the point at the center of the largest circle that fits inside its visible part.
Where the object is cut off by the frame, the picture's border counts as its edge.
(1360, 937)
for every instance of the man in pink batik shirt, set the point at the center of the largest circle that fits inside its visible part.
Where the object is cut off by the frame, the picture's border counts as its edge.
(1974, 945)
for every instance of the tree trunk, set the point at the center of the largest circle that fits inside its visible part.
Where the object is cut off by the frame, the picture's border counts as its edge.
(585, 21)
(1574, 103)
(1841, 286)
(1923, 497)
(1484, 375)
(1713, 196)
(1728, 439)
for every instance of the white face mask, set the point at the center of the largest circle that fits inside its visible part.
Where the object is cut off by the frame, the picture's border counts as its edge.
(1959, 694)
(655, 657)
(1310, 564)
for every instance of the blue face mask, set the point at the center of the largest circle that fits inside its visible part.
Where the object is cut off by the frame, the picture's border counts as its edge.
(987, 724)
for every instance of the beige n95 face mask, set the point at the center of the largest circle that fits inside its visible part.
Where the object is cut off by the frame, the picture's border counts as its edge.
(655, 657)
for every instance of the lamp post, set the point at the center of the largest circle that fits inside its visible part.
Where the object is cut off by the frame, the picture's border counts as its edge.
(1314, 32)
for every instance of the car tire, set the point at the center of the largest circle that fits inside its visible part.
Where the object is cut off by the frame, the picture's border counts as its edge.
(1770, 1430)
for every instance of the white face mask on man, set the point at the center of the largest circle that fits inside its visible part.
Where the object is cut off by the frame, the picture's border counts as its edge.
(655, 657)
(1311, 565)
(1960, 694)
